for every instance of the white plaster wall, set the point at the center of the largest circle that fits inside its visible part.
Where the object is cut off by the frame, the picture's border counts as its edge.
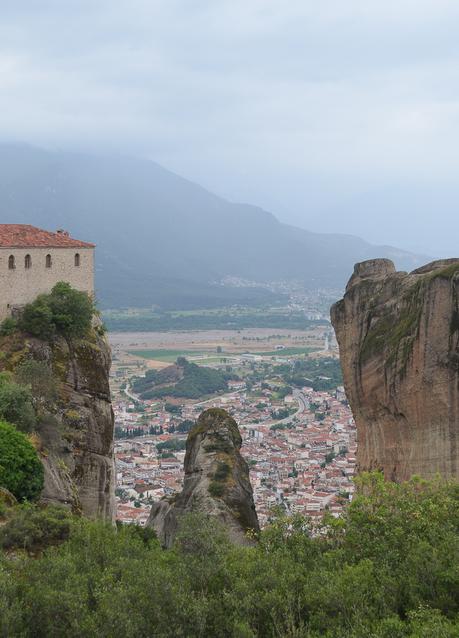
(22, 285)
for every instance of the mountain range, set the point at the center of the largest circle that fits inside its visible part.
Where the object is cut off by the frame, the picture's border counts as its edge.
(163, 240)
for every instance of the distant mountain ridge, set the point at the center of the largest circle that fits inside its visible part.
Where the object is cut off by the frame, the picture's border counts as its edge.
(163, 240)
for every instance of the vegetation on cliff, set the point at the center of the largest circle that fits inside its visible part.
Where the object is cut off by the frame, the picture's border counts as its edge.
(395, 330)
(387, 569)
(64, 311)
(16, 403)
(21, 471)
(54, 367)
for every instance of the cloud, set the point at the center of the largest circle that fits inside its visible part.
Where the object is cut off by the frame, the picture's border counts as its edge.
(296, 105)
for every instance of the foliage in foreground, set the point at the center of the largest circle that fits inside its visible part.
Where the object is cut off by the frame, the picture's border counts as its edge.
(389, 569)
(21, 471)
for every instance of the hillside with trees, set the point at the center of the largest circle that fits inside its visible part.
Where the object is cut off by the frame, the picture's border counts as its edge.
(183, 380)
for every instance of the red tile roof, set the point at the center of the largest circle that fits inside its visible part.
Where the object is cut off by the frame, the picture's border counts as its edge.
(26, 236)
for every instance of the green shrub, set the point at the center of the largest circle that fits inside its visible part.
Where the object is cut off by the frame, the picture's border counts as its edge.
(216, 489)
(37, 318)
(32, 528)
(16, 404)
(21, 471)
(8, 326)
(71, 309)
(39, 377)
(222, 471)
(65, 311)
(386, 569)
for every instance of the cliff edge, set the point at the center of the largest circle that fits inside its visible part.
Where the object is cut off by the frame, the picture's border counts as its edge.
(398, 336)
(216, 482)
(73, 421)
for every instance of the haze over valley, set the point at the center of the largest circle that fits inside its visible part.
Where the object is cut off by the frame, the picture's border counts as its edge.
(165, 241)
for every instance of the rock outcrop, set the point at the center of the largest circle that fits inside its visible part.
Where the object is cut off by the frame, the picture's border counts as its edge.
(398, 336)
(74, 428)
(216, 482)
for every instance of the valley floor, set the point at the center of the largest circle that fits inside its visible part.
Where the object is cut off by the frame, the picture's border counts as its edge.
(300, 442)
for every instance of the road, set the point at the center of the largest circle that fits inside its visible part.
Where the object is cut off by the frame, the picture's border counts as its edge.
(131, 396)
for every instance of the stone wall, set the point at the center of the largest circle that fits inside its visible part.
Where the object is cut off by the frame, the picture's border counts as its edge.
(21, 285)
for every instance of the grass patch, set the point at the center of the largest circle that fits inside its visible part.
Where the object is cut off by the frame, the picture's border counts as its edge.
(168, 356)
(286, 352)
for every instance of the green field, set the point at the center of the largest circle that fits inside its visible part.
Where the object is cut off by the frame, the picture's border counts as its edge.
(169, 356)
(286, 352)
(231, 318)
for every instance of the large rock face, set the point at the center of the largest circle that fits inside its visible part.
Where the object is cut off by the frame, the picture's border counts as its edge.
(216, 482)
(74, 431)
(398, 336)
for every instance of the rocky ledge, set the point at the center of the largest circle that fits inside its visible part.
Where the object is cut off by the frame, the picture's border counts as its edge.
(216, 482)
(398, 335)
(74, 430)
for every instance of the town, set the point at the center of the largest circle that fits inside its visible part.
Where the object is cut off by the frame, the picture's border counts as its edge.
(299, 437)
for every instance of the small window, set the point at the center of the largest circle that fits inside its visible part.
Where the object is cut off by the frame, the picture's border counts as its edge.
(77, 259)
(49, 261)
(11, 262)
(27, 261)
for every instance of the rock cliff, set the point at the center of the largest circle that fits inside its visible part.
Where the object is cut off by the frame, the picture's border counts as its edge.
(398, 335)
(74, 418)
(216, 482)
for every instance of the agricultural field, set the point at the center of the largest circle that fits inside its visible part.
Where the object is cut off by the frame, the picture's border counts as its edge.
(215, 348)
(168, 356)
(237, 318)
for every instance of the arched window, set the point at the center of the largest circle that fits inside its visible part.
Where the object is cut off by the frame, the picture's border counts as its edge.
(77, 259)
(27, 261)
(11, 262)
(49, 261)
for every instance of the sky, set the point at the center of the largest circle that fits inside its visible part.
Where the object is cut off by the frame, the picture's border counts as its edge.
(337, 116)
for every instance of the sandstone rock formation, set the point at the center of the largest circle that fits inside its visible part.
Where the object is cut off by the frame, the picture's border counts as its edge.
(398, 336)
(74, 431)
(216, 482)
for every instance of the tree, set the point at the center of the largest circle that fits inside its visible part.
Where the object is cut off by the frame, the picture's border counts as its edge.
(185, 426)
(64, 311)
(71, 309)
(39, 377)
(16, 404)
(21, 471)
(8, 326)
(37, 318)
(172, 408)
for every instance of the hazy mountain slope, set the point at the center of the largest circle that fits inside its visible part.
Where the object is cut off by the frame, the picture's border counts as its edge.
(162, 239)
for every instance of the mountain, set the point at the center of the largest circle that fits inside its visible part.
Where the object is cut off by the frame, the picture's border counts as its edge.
(163, 240)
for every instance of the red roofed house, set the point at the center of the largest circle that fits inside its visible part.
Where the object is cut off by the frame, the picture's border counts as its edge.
(32, 261)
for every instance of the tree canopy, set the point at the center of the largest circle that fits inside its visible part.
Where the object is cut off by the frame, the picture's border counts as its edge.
(21, 471)
(386, 569)
(64, 311)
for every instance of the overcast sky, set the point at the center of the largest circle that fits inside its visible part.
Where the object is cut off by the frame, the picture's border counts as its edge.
(336, 115)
